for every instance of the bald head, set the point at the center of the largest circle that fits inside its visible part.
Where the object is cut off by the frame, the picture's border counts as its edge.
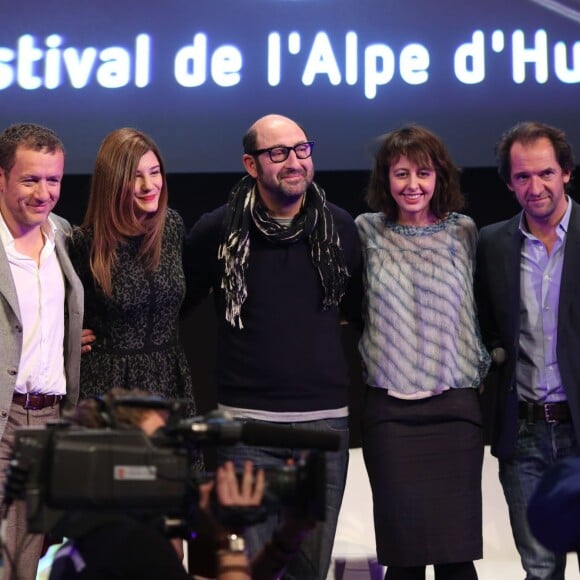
(282, 179)
(265, 123)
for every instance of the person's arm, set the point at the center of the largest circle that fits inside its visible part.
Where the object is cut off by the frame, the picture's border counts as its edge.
(200, 250)
(485, 310)
(351, 303)
(78, 250)
(228, 559)
(232, 560)
(233, 565)
(272, 560)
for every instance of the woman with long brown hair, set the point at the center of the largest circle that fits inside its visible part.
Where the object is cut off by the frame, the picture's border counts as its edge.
(128, 255)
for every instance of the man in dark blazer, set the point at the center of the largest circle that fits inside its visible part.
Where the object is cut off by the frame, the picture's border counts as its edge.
(41, 310)
(527, 286)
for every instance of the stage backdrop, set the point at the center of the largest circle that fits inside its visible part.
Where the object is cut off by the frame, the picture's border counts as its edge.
(196, 73)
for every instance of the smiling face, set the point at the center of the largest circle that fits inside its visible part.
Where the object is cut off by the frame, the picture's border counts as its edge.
(412, 187)
(281, 185)
(30, 191)
(148, 184)
(538, 181)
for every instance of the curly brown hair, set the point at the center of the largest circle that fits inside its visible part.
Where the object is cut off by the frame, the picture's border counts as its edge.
(424, 148)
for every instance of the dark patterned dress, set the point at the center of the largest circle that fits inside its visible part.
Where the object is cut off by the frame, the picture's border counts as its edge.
(137, 343)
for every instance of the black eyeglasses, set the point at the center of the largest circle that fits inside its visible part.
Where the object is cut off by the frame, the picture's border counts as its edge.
(280, 154)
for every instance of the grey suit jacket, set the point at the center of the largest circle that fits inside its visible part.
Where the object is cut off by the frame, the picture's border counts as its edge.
(497, 292)
(11, 325)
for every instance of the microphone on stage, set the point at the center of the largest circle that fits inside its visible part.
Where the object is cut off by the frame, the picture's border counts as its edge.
(219, 428)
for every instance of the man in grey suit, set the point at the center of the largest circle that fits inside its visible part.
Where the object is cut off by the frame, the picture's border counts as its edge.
(527, 284)
(41, 310)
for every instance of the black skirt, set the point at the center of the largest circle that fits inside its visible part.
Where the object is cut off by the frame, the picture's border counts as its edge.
(424, 459)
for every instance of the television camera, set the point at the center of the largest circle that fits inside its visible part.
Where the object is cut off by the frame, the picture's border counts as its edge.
(64, 469)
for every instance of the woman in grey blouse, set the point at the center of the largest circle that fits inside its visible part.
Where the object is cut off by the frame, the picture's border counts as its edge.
(423, 362)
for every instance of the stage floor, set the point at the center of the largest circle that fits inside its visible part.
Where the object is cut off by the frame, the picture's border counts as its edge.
(355, 535)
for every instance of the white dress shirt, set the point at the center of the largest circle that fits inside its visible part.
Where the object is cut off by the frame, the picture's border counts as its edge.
(41, 298)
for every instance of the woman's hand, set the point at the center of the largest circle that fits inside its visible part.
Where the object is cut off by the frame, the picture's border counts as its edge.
(87, 338)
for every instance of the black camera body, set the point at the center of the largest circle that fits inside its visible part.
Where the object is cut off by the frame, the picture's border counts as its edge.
(71, 468)
(74, 469)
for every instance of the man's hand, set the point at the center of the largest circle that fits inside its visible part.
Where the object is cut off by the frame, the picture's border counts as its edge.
(249, 492)
(230, 493)
(206, 557)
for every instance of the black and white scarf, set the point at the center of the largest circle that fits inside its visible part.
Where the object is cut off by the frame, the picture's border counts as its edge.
(314, 222)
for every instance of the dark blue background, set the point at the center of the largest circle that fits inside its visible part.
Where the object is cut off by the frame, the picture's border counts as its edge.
(200, 129)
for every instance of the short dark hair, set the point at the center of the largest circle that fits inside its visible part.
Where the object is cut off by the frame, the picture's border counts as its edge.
(29, 136)
(249, 141)
(423, 148)
(528, 132)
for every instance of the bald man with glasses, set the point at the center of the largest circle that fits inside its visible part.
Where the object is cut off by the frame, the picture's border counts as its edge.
(284, 266)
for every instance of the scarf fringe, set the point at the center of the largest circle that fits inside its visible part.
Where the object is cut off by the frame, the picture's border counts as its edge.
(314, 222)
